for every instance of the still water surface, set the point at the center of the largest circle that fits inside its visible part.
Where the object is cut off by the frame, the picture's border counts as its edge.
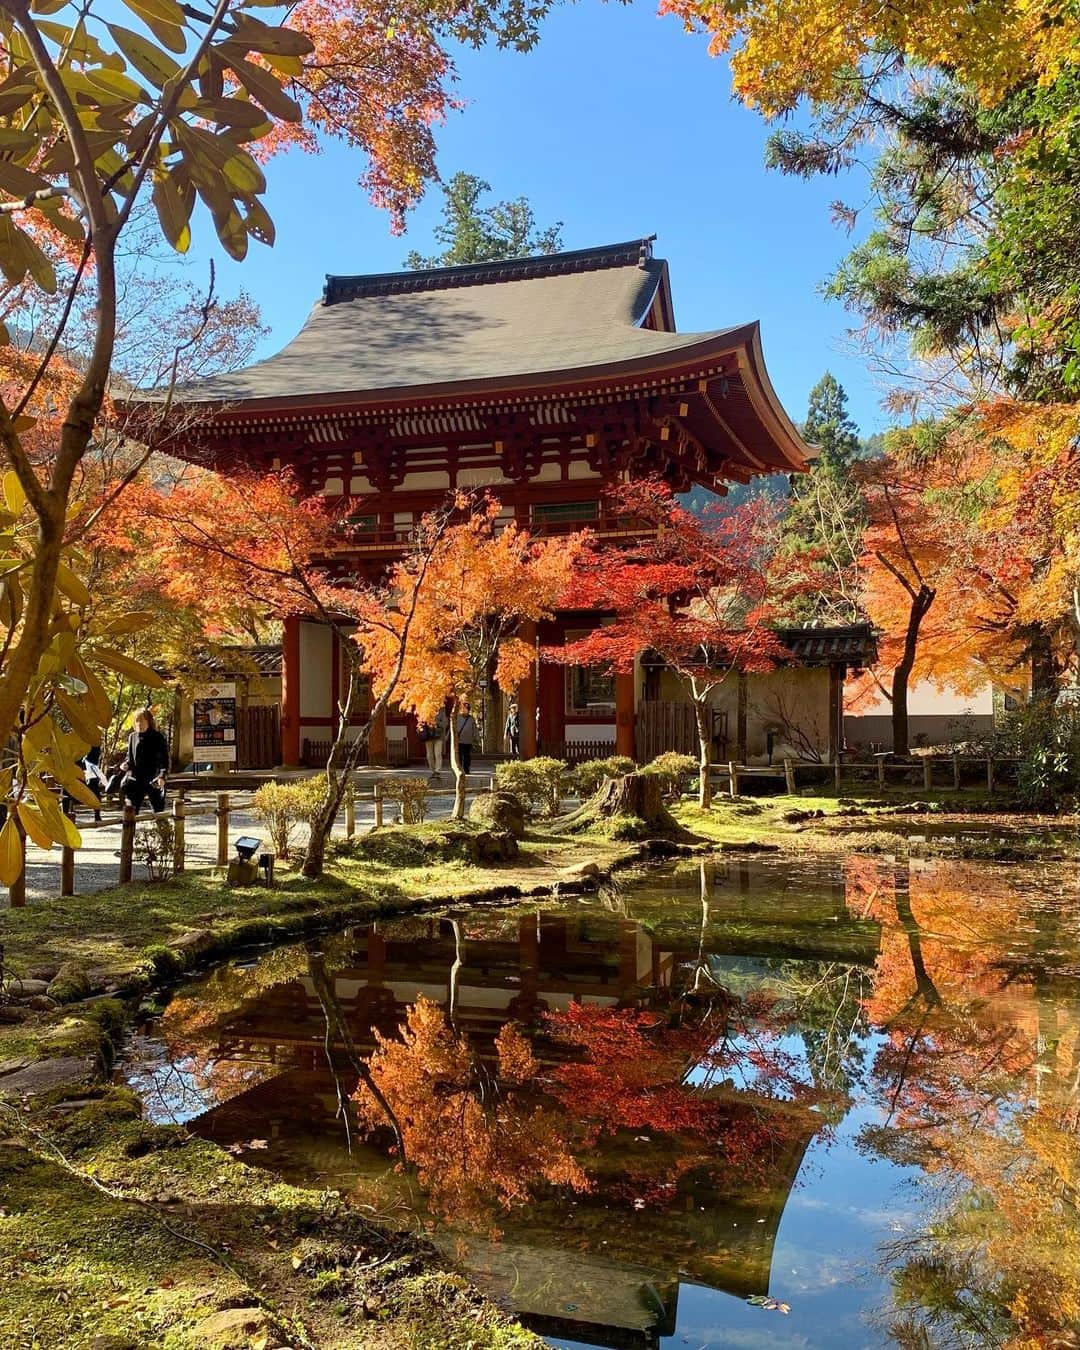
(749, 1103)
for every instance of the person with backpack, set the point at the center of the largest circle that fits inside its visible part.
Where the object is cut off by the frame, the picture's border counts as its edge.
(433, 738)
(466, 734)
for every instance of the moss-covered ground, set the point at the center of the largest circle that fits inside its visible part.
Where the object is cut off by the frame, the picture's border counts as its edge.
(119, 1235)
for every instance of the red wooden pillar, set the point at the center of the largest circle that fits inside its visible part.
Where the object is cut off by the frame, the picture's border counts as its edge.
(290, 691)
(624, 714)
(526, 697)
(377, 739)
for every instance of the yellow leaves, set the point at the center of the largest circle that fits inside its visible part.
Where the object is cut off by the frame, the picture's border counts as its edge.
(150, 61)
(11, 853)
(788, 50)
(126, 666)
(14, 496)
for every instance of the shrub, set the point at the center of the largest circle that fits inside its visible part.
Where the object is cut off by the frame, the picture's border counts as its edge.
(411, 797)
(586, 778)
(540, 782)
(282, 807)
(155, 848)
(674, 771)
(1045, 738)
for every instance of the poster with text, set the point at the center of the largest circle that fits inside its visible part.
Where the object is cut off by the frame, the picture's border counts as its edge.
(215, 723)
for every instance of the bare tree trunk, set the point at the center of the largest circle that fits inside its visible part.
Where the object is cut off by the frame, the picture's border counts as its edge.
(704, 732)
(337, 1025)
(344, 757)
(920, 606)
(455, 764)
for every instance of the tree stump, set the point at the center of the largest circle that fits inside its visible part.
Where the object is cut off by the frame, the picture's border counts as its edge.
(634, 794)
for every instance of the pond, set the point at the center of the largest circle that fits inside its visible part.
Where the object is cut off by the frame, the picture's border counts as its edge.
(746, 1103)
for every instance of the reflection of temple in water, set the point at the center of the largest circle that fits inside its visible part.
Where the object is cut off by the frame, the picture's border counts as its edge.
(576, 1267)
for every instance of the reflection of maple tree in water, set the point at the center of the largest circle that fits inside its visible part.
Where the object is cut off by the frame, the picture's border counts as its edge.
(478, 1139)
(483, 1139)
(979, 1081)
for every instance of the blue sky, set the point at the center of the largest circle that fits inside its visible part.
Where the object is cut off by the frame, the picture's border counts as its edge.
(619, 124)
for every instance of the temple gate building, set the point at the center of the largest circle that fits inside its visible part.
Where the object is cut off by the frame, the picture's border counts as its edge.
(547, 380)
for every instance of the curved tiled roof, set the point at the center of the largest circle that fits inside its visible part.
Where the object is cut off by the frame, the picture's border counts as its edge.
(445, 328)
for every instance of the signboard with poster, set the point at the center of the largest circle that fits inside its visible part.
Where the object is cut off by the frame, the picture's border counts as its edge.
(214, 708)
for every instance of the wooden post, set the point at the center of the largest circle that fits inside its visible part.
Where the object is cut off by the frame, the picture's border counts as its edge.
(956, 772)
(222, 814)
(290, 690)
(927, 772)
(179, 815)
(733, 786)
(67, 861)
(127, 843)
(881, 770)
(377, 739)
(491, 783)
(836, 774)
(789, 777)
(624, 714)
(350, 814)
(378, 805)
(989, 773)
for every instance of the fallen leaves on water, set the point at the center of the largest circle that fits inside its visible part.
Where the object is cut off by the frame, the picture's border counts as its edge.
(770, 1304)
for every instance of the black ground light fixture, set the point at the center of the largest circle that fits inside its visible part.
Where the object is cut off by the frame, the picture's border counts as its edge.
(247, 846)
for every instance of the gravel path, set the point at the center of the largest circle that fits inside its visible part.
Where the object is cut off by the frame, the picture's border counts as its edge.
(97, 863)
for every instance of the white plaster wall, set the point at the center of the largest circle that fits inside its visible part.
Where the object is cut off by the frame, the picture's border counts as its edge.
(926, 700)
(781, 701)
(591, 731)
(437, 479)
(315, 672)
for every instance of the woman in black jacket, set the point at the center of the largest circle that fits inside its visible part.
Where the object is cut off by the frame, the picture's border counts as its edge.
(145, 765)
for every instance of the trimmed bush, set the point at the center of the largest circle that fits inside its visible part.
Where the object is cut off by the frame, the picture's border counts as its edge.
(674, 771)
(282, 807)
(586, 778)
(540, 783)
(411, 797)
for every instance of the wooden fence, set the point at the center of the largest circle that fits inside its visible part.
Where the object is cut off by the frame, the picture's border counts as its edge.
(662, 726)
(258, 738)
(578, 752)
(226, 804)
(930, 772)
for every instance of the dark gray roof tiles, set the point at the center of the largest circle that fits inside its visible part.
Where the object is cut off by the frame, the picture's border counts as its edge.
(446, 328)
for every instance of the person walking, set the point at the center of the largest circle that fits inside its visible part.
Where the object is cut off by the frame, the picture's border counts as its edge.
(466, 735)
(145, 765)
(512, 730)
(433, 734)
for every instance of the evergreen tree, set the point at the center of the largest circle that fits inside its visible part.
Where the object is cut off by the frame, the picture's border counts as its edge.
(820, 534)
(829, 426)
(472, 233)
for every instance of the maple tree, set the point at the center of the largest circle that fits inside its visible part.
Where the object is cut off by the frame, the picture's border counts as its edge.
(695, 590)
(252, 545)
(483, 580)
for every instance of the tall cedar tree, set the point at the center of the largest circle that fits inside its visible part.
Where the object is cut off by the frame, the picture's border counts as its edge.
(695, 591)
(819, 536)
(472, 233)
